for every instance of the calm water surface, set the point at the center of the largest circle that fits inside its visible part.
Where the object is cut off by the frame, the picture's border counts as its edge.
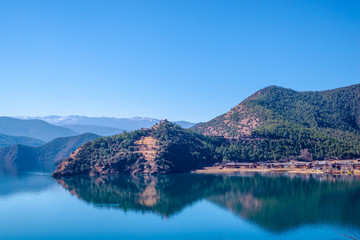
(179, 207)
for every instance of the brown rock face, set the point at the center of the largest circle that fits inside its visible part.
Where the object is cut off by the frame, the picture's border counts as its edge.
(147, 147)
(236, 123)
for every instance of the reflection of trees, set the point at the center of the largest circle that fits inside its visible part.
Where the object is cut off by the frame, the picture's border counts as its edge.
(275, 202)
(281, 203)
(163, 195)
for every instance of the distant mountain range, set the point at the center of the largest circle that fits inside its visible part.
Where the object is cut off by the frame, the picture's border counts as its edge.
(36, 131)
(44, 158)
(33, 128)
(22, 140)
(99, 130)
(127, 124)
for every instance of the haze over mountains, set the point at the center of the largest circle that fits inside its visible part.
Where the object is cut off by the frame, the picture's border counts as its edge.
(100, 130)
(127, 124)
(37, 131)
(19, 158)
(22, 141)
(6, 140)
(33, 128)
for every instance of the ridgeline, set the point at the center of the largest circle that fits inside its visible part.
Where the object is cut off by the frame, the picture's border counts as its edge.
(277, 123)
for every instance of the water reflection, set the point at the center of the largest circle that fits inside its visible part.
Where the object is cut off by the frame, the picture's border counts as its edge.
(24, 183)
(277, 203)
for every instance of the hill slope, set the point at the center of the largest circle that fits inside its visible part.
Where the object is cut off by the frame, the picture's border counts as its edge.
(165, 148)
(33, 128)
(6, 140)
(44, 158)
(278, 123)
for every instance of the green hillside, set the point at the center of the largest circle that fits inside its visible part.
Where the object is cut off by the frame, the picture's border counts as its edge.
(278, 123)
(165, 148)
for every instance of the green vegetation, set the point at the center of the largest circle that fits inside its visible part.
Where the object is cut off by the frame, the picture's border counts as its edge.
(273, 124)
(177, 150)
(183, 150)
(327, 124)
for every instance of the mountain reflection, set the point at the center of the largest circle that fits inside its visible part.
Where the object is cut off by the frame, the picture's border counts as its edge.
(277, 203)
(24, 183)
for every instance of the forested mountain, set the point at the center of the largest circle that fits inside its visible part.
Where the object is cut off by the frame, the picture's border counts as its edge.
(165, 148)
(6, 140)
(33, 128)
(18, 158)
(278, 123)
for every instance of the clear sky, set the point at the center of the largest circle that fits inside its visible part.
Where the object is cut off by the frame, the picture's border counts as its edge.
(181, 60)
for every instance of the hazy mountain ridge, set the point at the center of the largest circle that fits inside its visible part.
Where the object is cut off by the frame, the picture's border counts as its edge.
(33, 128)
(44, 158)
(128, 124)
(6, 140)
(99, 130)
(35, 132)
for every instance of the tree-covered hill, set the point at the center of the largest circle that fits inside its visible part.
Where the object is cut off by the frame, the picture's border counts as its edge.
(164, 148)
(19, 158)
(278, 123)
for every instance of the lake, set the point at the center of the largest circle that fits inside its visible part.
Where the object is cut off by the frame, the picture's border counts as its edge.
(186, 206)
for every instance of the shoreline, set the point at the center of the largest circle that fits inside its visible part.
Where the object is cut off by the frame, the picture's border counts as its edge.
(223, 170)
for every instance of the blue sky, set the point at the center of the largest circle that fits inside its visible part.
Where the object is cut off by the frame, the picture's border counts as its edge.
(181, 60)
